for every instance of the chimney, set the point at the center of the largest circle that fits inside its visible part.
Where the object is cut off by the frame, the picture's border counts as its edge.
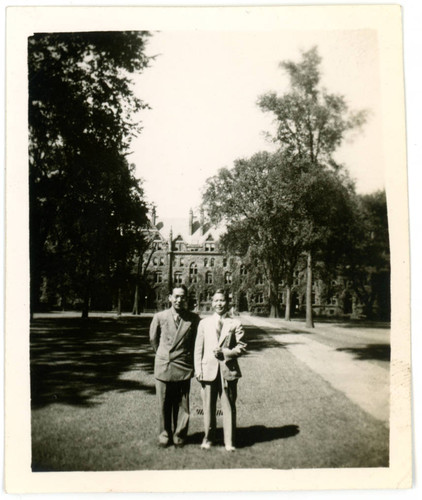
(190, 222)
(202, 221)
(153, 216)
(171, 239)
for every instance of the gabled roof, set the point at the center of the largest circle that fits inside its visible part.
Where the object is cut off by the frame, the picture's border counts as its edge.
(180, 229)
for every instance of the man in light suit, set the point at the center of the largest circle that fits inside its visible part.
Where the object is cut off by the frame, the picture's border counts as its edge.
(218, 345)
(172, 336)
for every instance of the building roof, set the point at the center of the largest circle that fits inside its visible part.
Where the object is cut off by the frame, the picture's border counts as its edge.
(180, 228)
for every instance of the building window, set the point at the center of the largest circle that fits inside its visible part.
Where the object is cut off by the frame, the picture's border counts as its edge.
(224, 262)
(155, 261)
(259, 279)
(209, 247)
(228, 278)
(259, 298)
(243, 271)
(205, 262)
(181, 262)
(208, 278)
(193, 273)
(179, 246)
(161, 261)
(158, 277)
(158, 245)
(212, 263)
(333, 301)
(178, 278)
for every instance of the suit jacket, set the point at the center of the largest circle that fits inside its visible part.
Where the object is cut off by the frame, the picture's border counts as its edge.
(231, 342)
(173, 345)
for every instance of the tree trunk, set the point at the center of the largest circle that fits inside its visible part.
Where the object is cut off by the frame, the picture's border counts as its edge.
(85, 306)
(119, 302)
(135, 309)
(287, 314)
(273, 299)
(309, 314)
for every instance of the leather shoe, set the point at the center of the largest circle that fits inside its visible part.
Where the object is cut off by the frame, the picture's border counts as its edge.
(206, 445)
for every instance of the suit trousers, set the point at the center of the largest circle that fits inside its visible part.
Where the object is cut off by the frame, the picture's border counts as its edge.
(227, 389)
(173, 403)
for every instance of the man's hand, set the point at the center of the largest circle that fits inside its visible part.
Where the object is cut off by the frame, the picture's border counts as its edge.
(218, 353)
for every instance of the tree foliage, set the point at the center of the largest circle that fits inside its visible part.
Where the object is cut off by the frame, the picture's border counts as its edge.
(310, 121)
(367, 263)
(275, 208)
(86, 206)
(279, 206)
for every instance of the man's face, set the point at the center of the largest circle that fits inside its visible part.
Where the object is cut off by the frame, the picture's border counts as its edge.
(178, 299)
(219, 303)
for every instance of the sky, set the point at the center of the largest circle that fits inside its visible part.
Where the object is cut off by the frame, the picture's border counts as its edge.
(203, 87)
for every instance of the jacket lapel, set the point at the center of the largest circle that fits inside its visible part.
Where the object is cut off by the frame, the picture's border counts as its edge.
(171, 324)
(184, 326)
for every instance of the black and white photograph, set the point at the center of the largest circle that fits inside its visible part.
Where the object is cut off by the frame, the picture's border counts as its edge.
(214, 249)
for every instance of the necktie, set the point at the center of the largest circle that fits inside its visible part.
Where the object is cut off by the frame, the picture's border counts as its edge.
(177, 321)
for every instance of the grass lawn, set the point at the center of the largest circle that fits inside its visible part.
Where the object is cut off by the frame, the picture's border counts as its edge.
(94, 406)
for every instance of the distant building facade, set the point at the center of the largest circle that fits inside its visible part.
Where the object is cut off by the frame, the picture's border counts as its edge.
(187, 251)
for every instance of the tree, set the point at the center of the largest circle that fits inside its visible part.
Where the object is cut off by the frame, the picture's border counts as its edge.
(310, 122)
(256, 200)
(310, 125)
(366, 264)
(85, 203)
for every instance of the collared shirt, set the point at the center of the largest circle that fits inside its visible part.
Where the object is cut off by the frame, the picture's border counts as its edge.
(176, 316)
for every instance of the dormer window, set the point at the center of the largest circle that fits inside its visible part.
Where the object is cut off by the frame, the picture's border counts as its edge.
(209, 247)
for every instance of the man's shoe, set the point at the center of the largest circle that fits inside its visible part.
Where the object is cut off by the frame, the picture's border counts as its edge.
(179, 444)
(162, 444)
(230, 448)
(206, 445)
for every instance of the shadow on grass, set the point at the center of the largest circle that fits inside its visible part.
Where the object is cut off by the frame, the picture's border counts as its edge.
(355, 323)
(259, 339)
(75, 361)
(380, 352)
(248, 436)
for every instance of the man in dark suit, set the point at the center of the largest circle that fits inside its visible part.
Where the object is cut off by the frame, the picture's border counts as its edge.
(172, 336)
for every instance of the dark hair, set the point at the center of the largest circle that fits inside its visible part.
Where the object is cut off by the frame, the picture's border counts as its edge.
(183, 287)
(223, 292)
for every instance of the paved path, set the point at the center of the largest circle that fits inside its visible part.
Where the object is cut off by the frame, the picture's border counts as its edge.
(363, 381)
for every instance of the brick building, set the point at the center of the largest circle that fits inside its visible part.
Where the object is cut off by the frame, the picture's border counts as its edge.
(188, 251)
